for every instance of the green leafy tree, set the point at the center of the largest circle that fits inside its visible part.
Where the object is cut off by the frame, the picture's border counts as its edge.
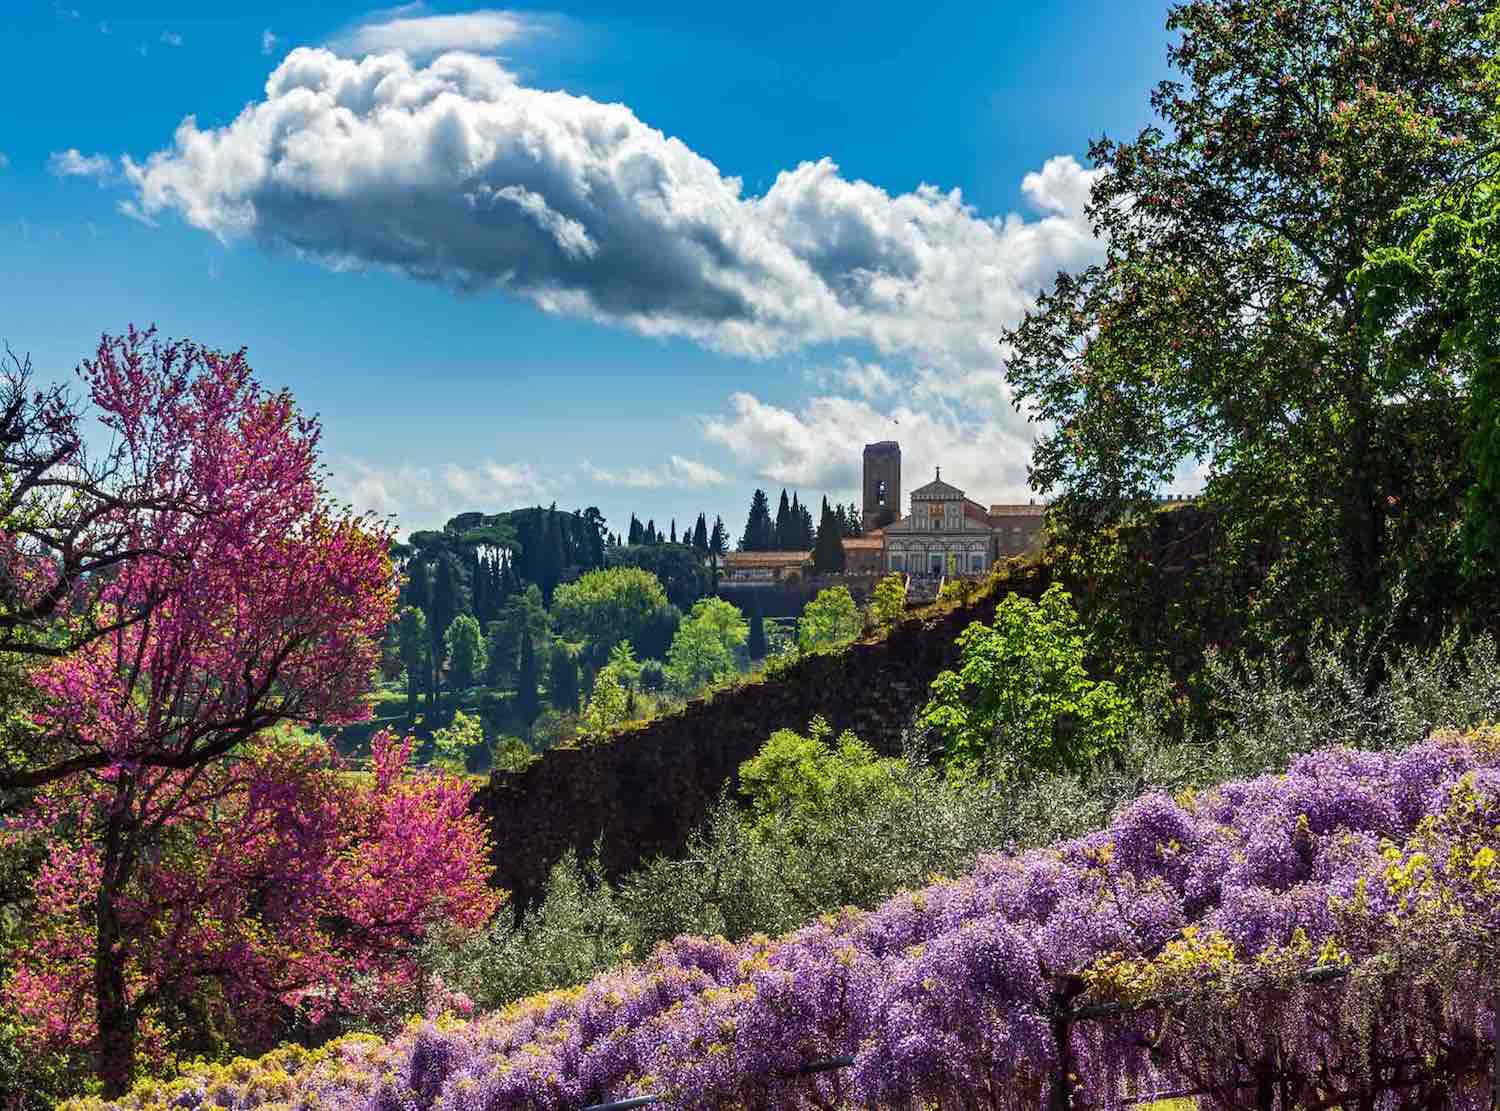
(528, 680)
(607, 705)
(605, 607)
(806, 778)
(415, 647)
(562, 679)
(706, 645)
(1441, 289)
(454, 744)
(828, 552)
(1021, 699)
(889, 601)
(1226, 323)
(831, 618)
(466, 653)
(680, 572)
(510, 753)
(626, 666)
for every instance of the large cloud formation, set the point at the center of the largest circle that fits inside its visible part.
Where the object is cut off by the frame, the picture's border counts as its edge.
(452, 171)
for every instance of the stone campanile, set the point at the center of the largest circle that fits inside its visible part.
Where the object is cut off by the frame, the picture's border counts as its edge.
(882, 484)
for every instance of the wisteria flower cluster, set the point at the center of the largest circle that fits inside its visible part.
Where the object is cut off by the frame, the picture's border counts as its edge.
(1171, 949)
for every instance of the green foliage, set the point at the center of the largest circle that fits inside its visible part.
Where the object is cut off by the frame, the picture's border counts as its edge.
(755, 647)
(679, 568)
(806, 778)
(828, 552)
(760, 530)
(510, 753)
(605, 607)
(653, 675)
(466, 652)
(607, 706)
(522, 614)
(706, 646)
(529, 676)
(1441, 288)
(889, 600)
(1226, 325)
(1021, 698)
(739, 875)
(830, 619)
(454, 744)
(626, 666)
(562, 679)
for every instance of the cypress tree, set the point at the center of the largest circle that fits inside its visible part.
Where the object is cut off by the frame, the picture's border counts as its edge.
(445, 601)
(550, 564)
(782, 537)
(700, 536)
(674, 531)
(758, 526)
(637, 534)
(562, 680)
(828, 553)
(756, 646)
(650, 536)
(528, 700)
(718, 545)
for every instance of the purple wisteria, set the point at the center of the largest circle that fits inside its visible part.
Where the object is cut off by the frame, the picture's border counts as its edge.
(1198, 916)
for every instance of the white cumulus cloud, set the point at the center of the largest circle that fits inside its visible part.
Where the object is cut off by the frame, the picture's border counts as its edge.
(449, 169)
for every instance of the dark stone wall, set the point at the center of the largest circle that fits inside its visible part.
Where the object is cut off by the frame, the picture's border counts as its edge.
(648, 787)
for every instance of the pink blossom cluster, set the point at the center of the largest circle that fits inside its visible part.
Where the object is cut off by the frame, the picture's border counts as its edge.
(950, 996)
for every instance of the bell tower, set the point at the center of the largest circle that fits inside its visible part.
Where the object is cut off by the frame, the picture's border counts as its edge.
(882, 485)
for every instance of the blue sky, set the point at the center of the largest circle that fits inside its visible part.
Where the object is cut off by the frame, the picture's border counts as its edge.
(500, 253)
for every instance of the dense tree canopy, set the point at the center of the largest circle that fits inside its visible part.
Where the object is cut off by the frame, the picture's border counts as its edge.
(1226, 323)
(605, 607)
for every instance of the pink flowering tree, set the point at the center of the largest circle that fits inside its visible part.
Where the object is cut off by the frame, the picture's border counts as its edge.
(186, 847)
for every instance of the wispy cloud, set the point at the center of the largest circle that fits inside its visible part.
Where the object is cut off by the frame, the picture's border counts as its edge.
(171, 38)
(74, 163)
(103, 27)
(268, 41)
(65, 12)
(413, 32)
(425, 497)
(676, 472)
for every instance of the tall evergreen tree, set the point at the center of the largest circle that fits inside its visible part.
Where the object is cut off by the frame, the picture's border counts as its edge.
(758, 526)
(650, 537)
(551, 563)
(700, 536)
(562, 680)
(718, 546)
(444, 608)
(756, 646)
(528, 679)
(828, 553)
(637, 534)
(674, 531)
(805, 531)
(782, 535)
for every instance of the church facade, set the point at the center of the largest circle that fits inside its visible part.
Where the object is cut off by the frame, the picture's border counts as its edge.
(945, 534)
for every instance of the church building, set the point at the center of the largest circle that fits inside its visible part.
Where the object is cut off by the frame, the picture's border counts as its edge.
(945, 534)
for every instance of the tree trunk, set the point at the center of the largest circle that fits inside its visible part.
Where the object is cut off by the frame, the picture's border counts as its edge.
(116, 1021)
